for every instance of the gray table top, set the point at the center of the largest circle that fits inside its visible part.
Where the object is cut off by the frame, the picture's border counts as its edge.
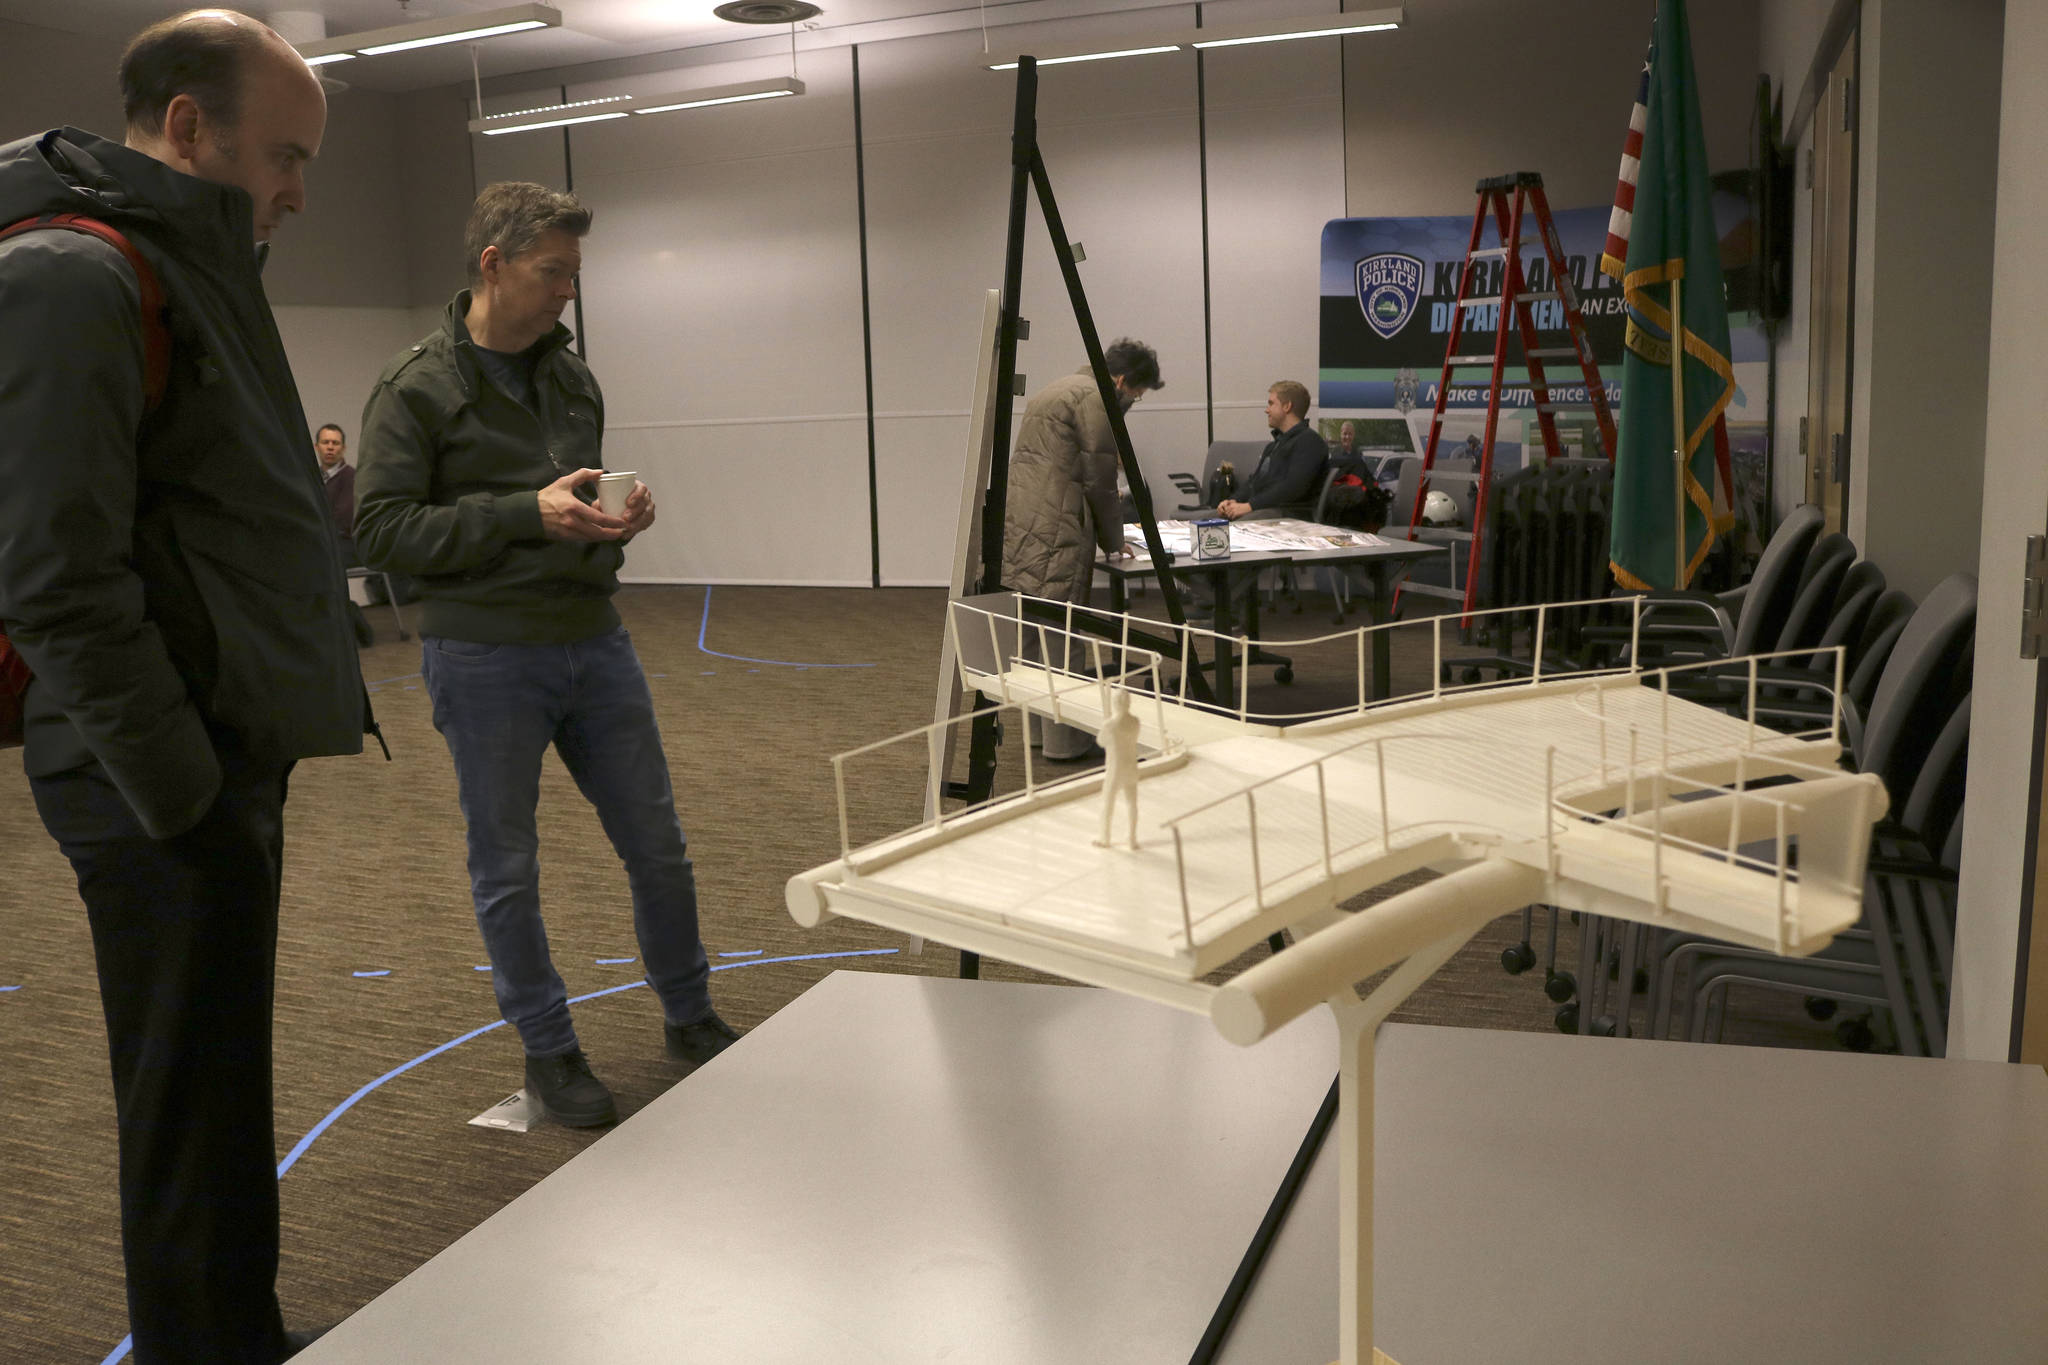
(892, 1169)
(905, 1169)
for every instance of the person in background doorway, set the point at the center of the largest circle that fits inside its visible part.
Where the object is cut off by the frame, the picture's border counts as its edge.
(331, 445)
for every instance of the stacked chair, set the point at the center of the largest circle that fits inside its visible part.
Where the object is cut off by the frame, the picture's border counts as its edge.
(1905, 701)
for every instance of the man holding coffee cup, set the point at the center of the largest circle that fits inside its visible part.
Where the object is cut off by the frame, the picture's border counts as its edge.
(480, 476)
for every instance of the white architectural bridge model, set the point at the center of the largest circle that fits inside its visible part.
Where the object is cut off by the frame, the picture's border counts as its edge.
(1600, 792)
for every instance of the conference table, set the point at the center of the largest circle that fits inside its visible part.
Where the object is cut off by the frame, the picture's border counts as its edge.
(1257, 546)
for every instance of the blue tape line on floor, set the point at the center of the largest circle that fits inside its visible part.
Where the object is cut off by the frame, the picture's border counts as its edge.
(751, 952)
(298, 1150)
(382, 973)
(612, 961)
(400, 678)
(704, 624)
(5, 989)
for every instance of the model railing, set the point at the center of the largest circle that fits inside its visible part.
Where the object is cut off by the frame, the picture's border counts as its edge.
(1265, 875)
(987, 643)
(1647, 784)
(1137, 674)
(1747, 672)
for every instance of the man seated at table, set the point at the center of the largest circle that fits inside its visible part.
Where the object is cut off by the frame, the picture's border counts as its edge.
(1291, 466)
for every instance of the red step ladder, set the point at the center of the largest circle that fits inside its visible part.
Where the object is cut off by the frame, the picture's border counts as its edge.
(1504, 197)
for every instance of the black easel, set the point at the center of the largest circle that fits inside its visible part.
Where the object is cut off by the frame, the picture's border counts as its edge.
(1027, 171)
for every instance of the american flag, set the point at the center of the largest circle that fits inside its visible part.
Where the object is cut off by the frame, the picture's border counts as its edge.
(1614, 257)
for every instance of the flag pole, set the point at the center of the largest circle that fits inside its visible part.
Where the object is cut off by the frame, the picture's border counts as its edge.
(1678, 431)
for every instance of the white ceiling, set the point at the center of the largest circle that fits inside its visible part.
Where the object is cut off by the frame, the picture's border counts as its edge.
(592, 30)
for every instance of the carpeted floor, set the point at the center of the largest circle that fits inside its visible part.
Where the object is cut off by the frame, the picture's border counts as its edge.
(375, 883)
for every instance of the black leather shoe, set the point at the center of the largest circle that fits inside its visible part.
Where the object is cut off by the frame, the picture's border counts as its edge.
(701, 1041)
(567, 1092)
(301, 1339)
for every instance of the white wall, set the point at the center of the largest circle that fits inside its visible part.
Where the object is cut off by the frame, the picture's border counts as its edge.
(1121, 154)
(336, 354)
(1927, 173)
(50, 79)
(2014, 506)
(1789, 37)
(1472, 88)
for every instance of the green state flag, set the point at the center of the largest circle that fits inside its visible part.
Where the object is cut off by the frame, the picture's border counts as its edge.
(1671, 242)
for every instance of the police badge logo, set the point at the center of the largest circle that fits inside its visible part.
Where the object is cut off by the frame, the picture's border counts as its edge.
(1389, 284)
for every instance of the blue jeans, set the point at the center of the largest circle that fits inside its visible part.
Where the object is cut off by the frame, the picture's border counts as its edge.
(500, 707)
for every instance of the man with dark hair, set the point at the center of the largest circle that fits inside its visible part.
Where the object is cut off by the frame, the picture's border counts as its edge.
(480, 447)
(1293, 461)
(1062, 504)
(168, 571)
(331, 445)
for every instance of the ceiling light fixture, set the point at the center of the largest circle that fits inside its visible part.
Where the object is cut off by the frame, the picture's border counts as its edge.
(619, 106)
(464, 28)
(1370, 22)
(1011, 65)
(1363, 21)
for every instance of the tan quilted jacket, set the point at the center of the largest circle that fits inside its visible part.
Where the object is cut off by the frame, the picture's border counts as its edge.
(1062, 482)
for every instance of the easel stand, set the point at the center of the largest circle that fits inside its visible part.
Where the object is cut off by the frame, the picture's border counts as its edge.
(1028, 173)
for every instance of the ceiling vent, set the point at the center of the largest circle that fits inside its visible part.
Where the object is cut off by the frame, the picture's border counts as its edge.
(767, 12)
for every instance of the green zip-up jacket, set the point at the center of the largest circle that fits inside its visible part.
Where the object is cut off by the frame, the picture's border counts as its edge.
(447, 491)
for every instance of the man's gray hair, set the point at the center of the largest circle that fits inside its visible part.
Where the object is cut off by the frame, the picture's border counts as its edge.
(511, 216)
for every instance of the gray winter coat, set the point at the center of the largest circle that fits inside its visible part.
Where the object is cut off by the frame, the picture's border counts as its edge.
(1065, 463)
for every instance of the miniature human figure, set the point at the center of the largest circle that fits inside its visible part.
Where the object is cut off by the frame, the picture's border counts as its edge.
(1119, 739)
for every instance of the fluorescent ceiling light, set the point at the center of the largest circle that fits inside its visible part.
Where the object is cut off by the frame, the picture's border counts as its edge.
(1092, 56)
(553, 123)
(618, 106)
(330, 57)
(722, 99)
(1364, 21)
(1372, 22)
(431, 33)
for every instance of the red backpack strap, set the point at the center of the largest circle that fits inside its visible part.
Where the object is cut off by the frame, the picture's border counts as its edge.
(156, 335)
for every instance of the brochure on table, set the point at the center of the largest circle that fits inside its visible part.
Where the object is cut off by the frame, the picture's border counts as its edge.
(1249, 537)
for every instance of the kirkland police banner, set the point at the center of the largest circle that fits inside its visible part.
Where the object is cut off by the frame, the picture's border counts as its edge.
(1388, 286)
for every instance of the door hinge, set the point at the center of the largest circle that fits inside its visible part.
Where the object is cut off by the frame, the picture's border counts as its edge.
(2034, 592)
(1835, 458)
(1802, 435)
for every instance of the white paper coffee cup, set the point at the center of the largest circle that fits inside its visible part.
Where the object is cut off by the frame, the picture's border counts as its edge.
(613, 488)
